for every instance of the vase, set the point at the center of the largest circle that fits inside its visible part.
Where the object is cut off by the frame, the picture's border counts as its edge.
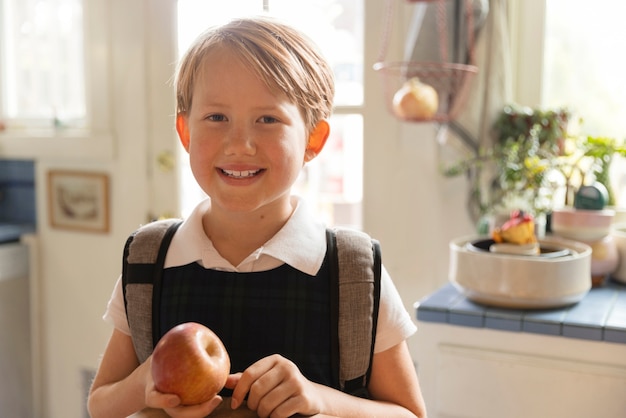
(592, 227)
(604, 260)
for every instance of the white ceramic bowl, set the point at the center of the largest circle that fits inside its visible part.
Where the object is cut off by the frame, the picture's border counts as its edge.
(582, 225)
(521, 281)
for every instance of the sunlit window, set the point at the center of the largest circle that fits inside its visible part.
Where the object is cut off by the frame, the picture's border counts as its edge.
(584, 64)
(41, 63)
(333, 181)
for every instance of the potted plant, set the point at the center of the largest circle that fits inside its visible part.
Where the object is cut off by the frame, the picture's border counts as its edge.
(515, 173)
(602, 151)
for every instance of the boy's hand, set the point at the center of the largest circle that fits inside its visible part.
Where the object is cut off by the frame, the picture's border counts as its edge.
(170, 403)
(275, 388)
(194, 411)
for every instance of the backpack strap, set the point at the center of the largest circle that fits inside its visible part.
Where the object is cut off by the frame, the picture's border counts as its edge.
(356, 270)
(355, 267)
(142, 267)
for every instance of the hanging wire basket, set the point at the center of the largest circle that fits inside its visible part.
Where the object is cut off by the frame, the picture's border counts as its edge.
(450, 80)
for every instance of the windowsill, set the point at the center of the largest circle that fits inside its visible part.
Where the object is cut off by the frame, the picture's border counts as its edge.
(37, 143)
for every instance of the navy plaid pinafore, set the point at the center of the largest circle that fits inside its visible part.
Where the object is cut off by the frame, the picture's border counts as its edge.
(280, 311)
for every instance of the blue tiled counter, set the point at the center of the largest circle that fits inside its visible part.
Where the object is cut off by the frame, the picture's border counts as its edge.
(480, 361)
(600, 316)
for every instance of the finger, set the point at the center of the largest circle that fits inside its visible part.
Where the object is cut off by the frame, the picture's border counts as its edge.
(268, 390)
(277, 399)
(232, 380)
(156, 399)
(194, 411)
(287, 408)
(249, 377)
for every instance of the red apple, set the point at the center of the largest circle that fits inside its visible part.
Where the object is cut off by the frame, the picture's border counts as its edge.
(191, 362)
(415, 100)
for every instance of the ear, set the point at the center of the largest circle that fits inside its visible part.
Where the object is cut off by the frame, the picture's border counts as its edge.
(183, 130)
(317, 140)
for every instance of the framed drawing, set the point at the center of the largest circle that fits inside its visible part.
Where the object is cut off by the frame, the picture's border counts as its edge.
(78, 200)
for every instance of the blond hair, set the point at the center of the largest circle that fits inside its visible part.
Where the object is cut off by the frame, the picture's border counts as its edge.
(285, 59)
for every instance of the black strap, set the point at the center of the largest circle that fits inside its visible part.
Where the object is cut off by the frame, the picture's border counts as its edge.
(157, 281)
(331, 243)
(377, 280)
(125, 270)
(355, 388)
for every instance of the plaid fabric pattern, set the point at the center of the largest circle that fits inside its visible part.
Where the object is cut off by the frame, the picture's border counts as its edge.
(256, 314)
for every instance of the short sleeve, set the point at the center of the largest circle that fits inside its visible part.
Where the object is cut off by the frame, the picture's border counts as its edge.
(115, 313)
(394, 322)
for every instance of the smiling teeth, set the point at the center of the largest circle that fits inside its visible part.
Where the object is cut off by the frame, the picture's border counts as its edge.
(240, 174)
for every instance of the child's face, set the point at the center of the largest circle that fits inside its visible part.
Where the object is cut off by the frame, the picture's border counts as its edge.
(247, 144)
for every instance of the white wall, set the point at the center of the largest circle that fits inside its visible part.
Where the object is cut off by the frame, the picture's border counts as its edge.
(78, 270)
(413, 211)
(409, 207)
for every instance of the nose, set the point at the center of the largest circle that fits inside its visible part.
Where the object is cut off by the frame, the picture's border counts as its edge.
(239, 141)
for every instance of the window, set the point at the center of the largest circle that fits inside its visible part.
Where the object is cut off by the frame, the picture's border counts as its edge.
(333, 181)
(575, 60)
(584, 63)
(42, 63)
(55, 91)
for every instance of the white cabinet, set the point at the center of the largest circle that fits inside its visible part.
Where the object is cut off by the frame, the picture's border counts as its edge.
(471, 372)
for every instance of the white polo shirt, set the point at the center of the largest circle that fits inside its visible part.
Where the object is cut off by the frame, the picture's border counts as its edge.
(301, 243)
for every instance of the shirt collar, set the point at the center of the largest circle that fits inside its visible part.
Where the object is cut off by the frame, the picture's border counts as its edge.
(301, 243)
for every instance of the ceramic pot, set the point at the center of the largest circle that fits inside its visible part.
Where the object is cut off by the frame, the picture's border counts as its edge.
(521, 281)
(592, 227)
(582, 225)
(604, 260)
(619, 237)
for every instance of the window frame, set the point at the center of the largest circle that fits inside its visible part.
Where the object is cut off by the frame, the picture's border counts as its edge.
(339, 110)
(96, 139)
(527, 26)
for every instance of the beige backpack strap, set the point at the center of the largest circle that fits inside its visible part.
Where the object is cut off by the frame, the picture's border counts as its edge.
(144, 255)
(359, 272)
(355, 269)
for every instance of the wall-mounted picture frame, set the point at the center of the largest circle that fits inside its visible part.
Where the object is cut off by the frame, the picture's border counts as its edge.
(78, 200)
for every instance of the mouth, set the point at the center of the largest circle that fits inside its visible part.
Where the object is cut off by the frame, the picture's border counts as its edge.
(243, 174)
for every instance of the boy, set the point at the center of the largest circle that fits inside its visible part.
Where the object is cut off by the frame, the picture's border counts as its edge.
(253, 99)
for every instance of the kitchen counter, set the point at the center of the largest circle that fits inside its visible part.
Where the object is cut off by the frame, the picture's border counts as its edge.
(480, 361)
(600, 316)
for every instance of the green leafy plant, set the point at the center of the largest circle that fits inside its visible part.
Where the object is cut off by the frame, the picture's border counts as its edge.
(548, 126)
(534, 155)
(526, 146)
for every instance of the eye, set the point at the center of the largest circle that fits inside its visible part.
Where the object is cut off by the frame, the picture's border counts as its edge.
(216, 118)
(268, 119)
